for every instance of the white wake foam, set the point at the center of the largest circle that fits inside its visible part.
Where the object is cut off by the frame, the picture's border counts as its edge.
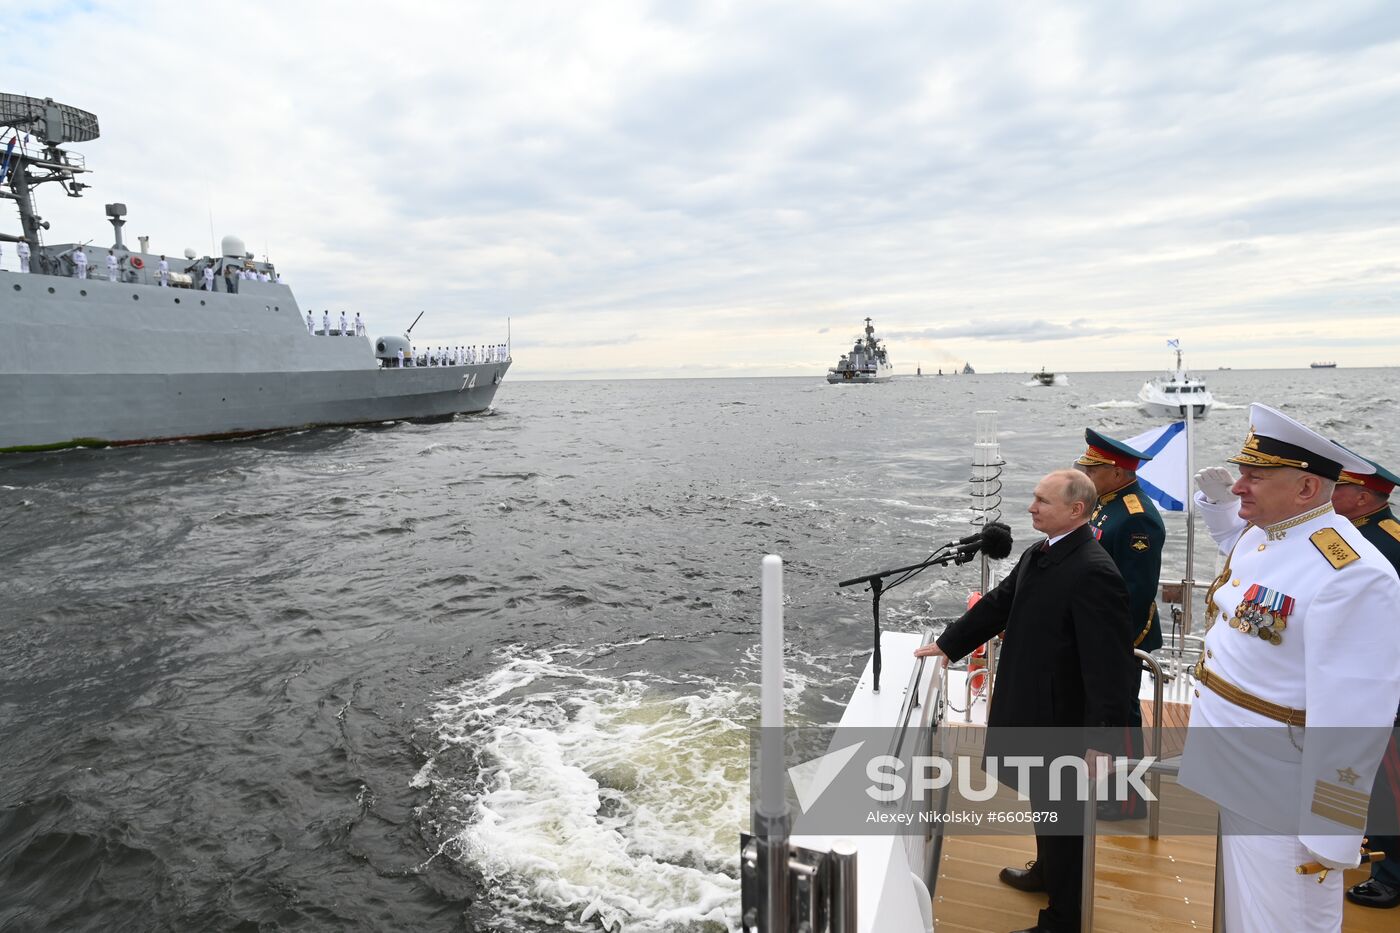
(598, 802)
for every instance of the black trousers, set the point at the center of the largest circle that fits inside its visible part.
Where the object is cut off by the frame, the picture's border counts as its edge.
(1061, 863)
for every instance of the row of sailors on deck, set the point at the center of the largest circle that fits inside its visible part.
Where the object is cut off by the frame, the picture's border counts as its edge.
(454, 356)
(232, 274)
(345, 325)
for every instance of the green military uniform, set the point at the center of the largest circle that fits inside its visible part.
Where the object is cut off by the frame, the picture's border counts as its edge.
(1131, 530)
(1382, 529)
(1129, 527)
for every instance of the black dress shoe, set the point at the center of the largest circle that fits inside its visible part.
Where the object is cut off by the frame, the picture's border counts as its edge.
(1027, 879)
(1111, 811)
(1369, 893)
(1034, 930)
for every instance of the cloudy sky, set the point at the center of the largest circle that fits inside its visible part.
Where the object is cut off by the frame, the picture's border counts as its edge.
(729, 188)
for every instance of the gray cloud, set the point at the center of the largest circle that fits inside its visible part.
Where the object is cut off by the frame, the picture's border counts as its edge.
(696, 177)
(1032, 331)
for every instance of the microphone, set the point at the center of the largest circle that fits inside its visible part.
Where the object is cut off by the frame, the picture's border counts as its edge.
(994, 540)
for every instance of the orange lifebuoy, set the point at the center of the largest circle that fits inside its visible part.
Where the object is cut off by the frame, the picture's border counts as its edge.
(977, 682)
(137, 263)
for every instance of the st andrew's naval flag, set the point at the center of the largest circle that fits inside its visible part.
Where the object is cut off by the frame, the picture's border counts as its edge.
(1164, 478)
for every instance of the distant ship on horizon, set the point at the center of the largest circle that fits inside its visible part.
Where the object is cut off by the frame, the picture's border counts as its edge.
(1322, 365)
(867, 361)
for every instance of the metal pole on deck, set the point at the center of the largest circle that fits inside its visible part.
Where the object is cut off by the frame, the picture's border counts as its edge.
(771, 816)
(1188, 596)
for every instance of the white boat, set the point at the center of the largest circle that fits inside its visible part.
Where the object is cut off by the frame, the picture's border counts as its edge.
(866, 362)
(1169, 395)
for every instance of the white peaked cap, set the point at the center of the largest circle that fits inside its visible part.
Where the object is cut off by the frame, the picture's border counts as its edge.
(1276, 440)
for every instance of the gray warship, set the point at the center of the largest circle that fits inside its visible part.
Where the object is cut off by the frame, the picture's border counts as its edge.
(867, 361)
(96, 362)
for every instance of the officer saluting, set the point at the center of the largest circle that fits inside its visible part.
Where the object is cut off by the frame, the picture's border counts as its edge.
(1301, 631)
(1130, 529)
(1365, 500)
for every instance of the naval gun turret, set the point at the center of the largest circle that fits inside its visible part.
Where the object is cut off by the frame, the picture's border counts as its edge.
(389, 350)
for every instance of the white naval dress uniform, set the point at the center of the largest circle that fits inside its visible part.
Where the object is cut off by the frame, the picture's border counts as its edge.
(111, 267)
(163, 273)
(208, 278)
(23, 250)
(80, 264)
(1336, 659)
(344, 325)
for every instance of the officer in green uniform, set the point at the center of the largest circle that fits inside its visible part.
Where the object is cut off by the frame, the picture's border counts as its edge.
(1365, 500)
(1130, 529)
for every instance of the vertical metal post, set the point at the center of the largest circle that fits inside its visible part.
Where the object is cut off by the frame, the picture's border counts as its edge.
(1188, 585)
(1217, 914)
(1154, 807)
(844, 912)
(1091, 829)
(771, 816)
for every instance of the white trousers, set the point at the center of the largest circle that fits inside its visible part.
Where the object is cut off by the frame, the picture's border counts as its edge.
(1264, 892)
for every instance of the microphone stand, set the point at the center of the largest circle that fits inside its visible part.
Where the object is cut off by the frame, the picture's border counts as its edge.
(947, 554)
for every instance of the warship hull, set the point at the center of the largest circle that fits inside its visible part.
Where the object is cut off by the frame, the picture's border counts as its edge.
(89, 362)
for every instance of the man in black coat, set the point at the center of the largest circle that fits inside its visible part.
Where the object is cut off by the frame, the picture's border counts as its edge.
(1064, 612)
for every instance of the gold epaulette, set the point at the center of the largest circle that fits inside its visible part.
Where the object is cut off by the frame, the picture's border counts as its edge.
(1133, 504)
(1332, 547)
(1391, 527)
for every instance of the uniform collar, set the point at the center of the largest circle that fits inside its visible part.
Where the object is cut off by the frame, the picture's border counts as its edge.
(1109, 496)
(1278, 530)
(1379, 514)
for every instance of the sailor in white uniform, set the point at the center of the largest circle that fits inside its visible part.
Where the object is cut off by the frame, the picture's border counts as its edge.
(80, 264)
(209, 278)
(111, 266)
(1302, 629)
(310, 324)
(344, 325)
(163, 272)
(326, 322)
(359, 325)
(23, 251)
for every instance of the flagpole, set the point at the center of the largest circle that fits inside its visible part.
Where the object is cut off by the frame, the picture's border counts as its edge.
(1188, 584)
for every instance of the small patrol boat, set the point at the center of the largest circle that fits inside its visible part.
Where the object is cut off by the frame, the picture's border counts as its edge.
(1044, 378)
(866, 362)
(1171, 394)
(141, 354)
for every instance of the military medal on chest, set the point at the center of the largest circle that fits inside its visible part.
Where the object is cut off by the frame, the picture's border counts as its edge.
(1263, 612)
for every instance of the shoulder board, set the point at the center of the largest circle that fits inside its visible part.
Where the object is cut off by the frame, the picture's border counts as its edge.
(1391, 527)
(1133, 504)
(1337, 551)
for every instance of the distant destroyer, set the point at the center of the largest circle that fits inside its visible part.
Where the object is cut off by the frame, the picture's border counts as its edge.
(866, 362)
(114, 357)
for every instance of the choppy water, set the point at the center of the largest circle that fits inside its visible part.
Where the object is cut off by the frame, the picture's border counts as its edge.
(487, 675)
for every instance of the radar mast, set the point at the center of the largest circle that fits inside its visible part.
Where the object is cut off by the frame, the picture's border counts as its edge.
(52, 124)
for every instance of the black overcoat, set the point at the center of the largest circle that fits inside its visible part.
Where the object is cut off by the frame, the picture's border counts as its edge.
(1065, 616)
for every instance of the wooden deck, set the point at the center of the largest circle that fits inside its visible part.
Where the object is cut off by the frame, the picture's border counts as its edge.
(1142, 885)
